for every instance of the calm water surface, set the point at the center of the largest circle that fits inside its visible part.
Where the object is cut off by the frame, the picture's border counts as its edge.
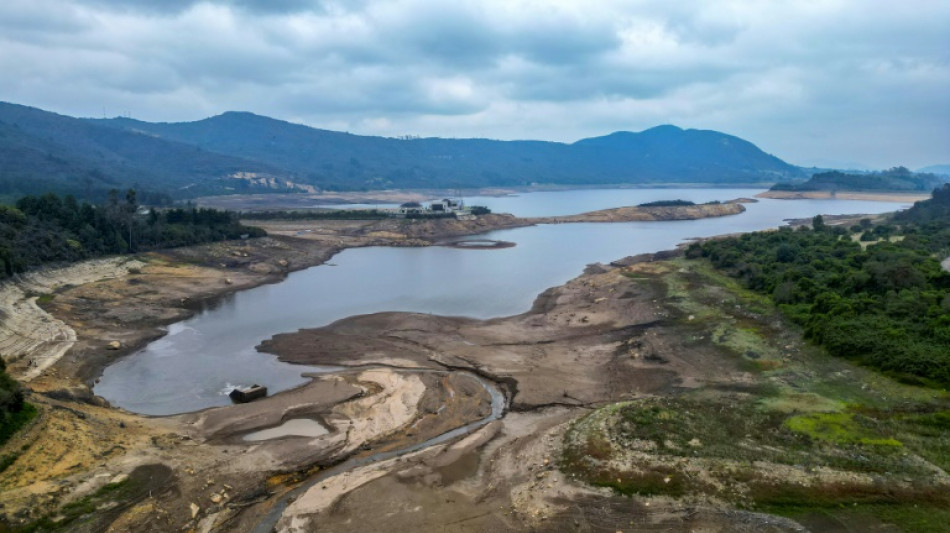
(200, 359)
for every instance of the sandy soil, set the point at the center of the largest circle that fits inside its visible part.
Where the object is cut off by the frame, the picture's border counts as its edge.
(898, 197)
(389, 232)
(634, 213)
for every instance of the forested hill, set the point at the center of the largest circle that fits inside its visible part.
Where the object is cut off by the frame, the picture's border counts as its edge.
(45, 152)
(898, 179)
(332, 159)
(243, 152)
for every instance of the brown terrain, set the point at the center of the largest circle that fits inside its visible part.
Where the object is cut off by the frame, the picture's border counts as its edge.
(628, 214)
(900, 197)
(602, 337)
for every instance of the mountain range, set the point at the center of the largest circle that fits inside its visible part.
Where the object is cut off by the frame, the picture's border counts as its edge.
(243, 152)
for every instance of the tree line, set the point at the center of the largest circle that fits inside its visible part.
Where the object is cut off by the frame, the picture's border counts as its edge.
(892, 179)
(886, 306)
(48, 228)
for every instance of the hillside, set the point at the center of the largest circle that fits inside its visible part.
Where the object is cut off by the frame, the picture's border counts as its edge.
(898, 179)
(340, 160)
(243, 152)
(42, 151)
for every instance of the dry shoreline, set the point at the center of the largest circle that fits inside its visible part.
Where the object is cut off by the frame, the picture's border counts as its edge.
(86, 444)
(897, 197)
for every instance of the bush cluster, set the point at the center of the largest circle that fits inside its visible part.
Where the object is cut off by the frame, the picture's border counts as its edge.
(45, 229)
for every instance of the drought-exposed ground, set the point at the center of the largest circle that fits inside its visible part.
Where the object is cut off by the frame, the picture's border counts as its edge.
(718, 398)
(902, 197)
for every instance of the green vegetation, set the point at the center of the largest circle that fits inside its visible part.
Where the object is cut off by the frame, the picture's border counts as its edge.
(894, 179)
(886, 306)
(667, 203)
(14, 411)
(73, 513)
(95, 511)
(838, 428)
(245, 153)
(317, 214)
(806, 436)
(44, 229)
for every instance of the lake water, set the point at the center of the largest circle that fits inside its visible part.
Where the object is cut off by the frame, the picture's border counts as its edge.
(196, 364)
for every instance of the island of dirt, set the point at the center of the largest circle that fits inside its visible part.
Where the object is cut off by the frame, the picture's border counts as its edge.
(388, 459)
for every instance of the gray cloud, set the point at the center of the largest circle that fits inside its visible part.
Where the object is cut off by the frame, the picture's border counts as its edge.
(846, 80)
(150, 7)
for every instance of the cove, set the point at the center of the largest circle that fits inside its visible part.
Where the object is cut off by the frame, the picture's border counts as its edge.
(197, 362)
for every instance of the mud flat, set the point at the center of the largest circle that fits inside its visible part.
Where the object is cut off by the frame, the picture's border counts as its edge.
(898, 197)
(608, 335)
(651, 213)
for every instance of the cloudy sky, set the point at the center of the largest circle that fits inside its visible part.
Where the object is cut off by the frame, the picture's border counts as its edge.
(824, 82)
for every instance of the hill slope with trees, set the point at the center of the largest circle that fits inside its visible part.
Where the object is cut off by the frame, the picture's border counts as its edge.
(886, 305)
(338, 160)
(242, 152)
(47, 229)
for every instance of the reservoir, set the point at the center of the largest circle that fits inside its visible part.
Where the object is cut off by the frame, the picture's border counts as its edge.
(201, 359)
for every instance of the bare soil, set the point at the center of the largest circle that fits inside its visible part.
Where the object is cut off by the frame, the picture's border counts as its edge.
(899, 197)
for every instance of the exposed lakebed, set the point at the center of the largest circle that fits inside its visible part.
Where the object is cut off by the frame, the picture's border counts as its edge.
(194, 366)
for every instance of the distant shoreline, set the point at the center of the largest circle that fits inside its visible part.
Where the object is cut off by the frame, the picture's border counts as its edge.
(883, 196)
(273, 201)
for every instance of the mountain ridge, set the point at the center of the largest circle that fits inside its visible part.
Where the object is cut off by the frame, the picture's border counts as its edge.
(239, 151)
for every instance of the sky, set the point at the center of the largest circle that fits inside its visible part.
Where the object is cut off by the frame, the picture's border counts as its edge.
(837, 83)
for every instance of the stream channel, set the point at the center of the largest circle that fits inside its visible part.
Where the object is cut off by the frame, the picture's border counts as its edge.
(197, 363)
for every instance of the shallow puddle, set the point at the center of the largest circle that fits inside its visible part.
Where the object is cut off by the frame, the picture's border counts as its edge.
(296, 427)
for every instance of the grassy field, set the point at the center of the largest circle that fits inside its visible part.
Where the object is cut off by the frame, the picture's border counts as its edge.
(807, 436)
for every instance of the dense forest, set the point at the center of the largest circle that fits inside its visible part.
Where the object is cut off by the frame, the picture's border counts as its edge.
(45, 229)
(894, 179)
(886, 305)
